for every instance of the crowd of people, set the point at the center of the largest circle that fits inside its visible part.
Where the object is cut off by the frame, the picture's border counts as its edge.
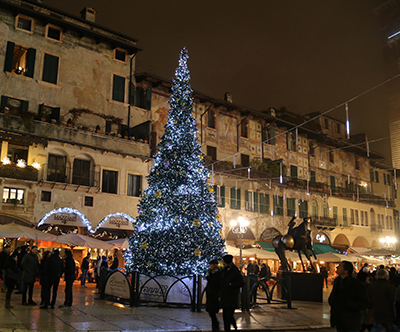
(21, 268)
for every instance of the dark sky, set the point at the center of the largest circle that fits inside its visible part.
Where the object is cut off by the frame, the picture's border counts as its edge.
(307, 56)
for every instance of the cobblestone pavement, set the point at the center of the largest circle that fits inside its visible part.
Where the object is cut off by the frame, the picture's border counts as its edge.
(89, 313)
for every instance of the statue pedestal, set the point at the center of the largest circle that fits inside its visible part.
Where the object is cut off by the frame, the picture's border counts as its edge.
(304, 286)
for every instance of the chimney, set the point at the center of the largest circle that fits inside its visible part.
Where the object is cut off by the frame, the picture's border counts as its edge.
(89, 14)
(228, 97)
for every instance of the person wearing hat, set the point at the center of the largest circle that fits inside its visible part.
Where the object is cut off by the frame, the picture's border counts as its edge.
(212, 290)
(231, 282)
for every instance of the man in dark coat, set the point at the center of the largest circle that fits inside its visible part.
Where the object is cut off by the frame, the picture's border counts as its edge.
(85, 269)
(231, 281)
(212, 293)
(53, 268)
(347, 299)
(30, 271)
(3, 257)
(382, 296)
(11, 276)
(115, 263)
(70, 276)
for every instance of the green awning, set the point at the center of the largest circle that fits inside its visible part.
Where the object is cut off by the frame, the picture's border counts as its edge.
(318, 247)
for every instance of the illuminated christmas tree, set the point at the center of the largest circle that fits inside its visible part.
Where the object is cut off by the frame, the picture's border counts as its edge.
(178, 232)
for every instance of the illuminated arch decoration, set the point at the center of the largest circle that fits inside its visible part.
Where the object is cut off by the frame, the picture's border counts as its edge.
(116, 220)
(61, 217)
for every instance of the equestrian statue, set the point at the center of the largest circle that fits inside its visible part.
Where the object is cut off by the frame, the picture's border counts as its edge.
(297, 238)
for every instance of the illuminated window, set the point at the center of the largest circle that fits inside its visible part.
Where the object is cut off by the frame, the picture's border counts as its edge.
(16, 152)
(20, 60)
(13, 195)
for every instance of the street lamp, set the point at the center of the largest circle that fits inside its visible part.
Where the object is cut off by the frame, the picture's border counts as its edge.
(388, 241)
(239, 227)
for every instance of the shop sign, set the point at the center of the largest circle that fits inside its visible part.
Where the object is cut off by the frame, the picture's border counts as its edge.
(68, 219)
(117, 222)
(117, 286)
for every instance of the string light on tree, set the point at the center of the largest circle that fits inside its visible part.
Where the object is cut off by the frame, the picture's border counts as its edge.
(178, 232)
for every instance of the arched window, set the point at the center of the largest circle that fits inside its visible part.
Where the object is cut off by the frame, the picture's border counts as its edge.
(372, 214)
(82, 171)
(325, 211)
(314, 209)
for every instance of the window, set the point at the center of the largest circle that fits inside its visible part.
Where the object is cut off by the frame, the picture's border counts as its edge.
(326, 123)
(81, 172)
(212, 152)
(357, 164)
(243, 129)
(89, 200)
(291, 209)
(271, 136)
(335, 213)
(314, 209)
(391, 222)
(278, 205)
(16, 152)
(366, 218)
(13, 195)
(20, 60)
(255, 201)
(311, 149)
(120, 54)
(344, 212)
(24, 23)
(293, 172)
(249, 200)
(134, 185)
(50, 68)
(362, 218)
(49, 113)
(118, 89)
(245, 158)
(331, 156)
(386, 179)
(56, 169)
(351, 216)
(45, 196)
(333, 181)
(376, 177)
(210, 119)
(356, 217)
(290, 142)
(264, 204)
(110, 182)
(325, 210)
(13, 106)
(303, 209)
(219, 192)
(235, 199)
(338, 128)
(312, 177)
(53, 32)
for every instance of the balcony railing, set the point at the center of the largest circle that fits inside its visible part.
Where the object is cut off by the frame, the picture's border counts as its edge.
(13, 171)
(323, 222)
(66, 174)
(376, 228)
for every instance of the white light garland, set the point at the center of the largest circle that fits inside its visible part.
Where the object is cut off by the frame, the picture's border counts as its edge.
(21, 163)
(67, 210)
(36, 165)
(6, 161)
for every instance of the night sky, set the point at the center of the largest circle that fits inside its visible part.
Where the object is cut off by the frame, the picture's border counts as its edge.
(306, 56)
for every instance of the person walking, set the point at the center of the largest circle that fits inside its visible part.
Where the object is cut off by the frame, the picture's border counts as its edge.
(85, 269)
(231, 281)
(43, 276)
(324, 273)
(70, 276)
(382, 296)
(22, 251)
(30, 271)
(11, 276)
(347, 299)
(212, 293)
(3, 258)
(53, 269)
(103, 275)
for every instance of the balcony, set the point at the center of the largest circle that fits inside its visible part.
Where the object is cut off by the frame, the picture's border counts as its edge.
(12, 171)
(40, 132)
(376, 228)
(324, 222)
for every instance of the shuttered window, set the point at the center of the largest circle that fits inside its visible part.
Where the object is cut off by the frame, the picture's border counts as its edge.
(278, 205)
(235, 199)
(291, 208)
(50, 68)
(264, 203)
(118, 92)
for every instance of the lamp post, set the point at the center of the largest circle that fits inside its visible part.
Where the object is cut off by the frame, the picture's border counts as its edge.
(239, 227)
(388, 242)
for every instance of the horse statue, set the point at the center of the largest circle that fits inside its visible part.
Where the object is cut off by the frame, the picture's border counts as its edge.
(297, 238)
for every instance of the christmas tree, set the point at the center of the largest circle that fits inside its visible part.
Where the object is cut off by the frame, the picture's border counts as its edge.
(177, 230)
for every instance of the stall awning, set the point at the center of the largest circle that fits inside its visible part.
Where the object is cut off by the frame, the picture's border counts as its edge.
(267, 246)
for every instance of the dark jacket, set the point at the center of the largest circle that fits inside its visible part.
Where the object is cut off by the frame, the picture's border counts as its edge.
(115, 264)
(69, 267)
(12, 271)
(53, 268)
(347, 299)
(3, 258)
(30, 268)
(85, 264)
(382, 296)
(212, 290)
(231, 281)
(265, 271)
